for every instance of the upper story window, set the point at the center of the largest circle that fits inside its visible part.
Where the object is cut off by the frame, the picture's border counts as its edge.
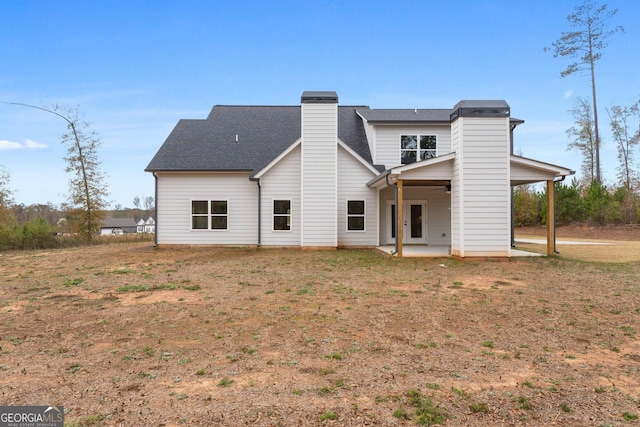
(417, 147)
(209, 214)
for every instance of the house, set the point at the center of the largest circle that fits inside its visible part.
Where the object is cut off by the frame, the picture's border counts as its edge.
(115, 226)
(146, 226)
(323, 175)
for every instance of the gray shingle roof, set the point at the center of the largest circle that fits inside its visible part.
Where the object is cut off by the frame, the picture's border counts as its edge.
(118, 222)
(263, 132)
(406, 115)
(479, 103)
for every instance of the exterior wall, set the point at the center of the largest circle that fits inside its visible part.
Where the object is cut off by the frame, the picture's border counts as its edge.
(438, 218)
(177, 190)
(483, 183)
(282, 182)
(457, 192)
(370, 132)
(438, 213)
(352, 179)
(319, 174)
(387, 140)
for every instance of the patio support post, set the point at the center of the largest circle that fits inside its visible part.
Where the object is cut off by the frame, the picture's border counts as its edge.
(551, 218)
(399, 214)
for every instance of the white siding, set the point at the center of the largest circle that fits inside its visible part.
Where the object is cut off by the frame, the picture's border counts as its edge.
(282, 182)
(387, 140)
(438, 217)
(484, 185)
(177, 190)
(457, 192)
(352, 179)
(319, 174)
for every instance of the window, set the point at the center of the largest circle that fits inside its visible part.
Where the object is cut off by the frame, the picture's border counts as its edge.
(355, 215)
(417, 147)
(282, 214)
(218, 214)
(209, 214)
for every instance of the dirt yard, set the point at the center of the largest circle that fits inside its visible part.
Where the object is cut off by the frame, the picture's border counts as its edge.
(126, 334)
(586, 243)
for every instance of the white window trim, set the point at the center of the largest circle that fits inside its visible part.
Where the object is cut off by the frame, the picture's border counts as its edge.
(208, 215)
(273, 215)
(417, 149)
(364, 215)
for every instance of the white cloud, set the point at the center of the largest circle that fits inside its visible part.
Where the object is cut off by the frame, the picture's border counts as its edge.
(34, 145)
(568, 94)
(28, 145)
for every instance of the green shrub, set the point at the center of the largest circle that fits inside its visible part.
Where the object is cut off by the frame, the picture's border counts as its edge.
(36, 234)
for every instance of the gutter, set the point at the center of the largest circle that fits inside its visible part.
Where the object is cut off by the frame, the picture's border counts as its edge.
(257, 181)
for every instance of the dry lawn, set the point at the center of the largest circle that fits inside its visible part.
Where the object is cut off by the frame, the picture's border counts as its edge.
(131, 335)
(600, 244)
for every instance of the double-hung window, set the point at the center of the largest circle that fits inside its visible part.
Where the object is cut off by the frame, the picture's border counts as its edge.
(209, 214)
(417, 147)
(355, 215)
(282, 215)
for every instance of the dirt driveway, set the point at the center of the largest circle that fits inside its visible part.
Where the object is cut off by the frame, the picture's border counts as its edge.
(131, 335)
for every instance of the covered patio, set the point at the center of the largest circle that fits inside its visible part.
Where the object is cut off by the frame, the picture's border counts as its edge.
(438, 172)
(438, 251)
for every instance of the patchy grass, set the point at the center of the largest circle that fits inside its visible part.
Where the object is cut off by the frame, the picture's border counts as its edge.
(248, 336)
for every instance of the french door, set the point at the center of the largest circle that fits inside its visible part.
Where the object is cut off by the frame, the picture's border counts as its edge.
(414, 222)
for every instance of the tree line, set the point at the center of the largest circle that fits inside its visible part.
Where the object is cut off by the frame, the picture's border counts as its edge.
(576, 203)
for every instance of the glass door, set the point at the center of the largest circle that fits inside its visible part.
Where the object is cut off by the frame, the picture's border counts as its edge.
(414, 223)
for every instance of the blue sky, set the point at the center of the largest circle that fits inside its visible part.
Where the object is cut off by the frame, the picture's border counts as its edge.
(134, 68)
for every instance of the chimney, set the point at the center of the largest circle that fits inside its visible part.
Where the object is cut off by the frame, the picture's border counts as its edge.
(319, 127)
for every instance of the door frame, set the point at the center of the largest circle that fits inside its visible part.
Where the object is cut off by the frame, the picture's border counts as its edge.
(406, 212)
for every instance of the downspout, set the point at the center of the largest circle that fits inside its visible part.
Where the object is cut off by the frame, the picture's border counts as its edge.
(555, 195)
(155, 195)
(395, 187)
(257, 180)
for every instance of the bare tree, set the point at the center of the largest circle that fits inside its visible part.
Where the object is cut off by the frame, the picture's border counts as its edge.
(136, 202)
(582, 136)
(585, 43)
(6, 197)
(627, 137)
(87, 190)
(148, 203)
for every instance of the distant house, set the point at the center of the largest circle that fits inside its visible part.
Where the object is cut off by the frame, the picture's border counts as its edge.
(146, 226)
(320, 175)
(111, 226)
